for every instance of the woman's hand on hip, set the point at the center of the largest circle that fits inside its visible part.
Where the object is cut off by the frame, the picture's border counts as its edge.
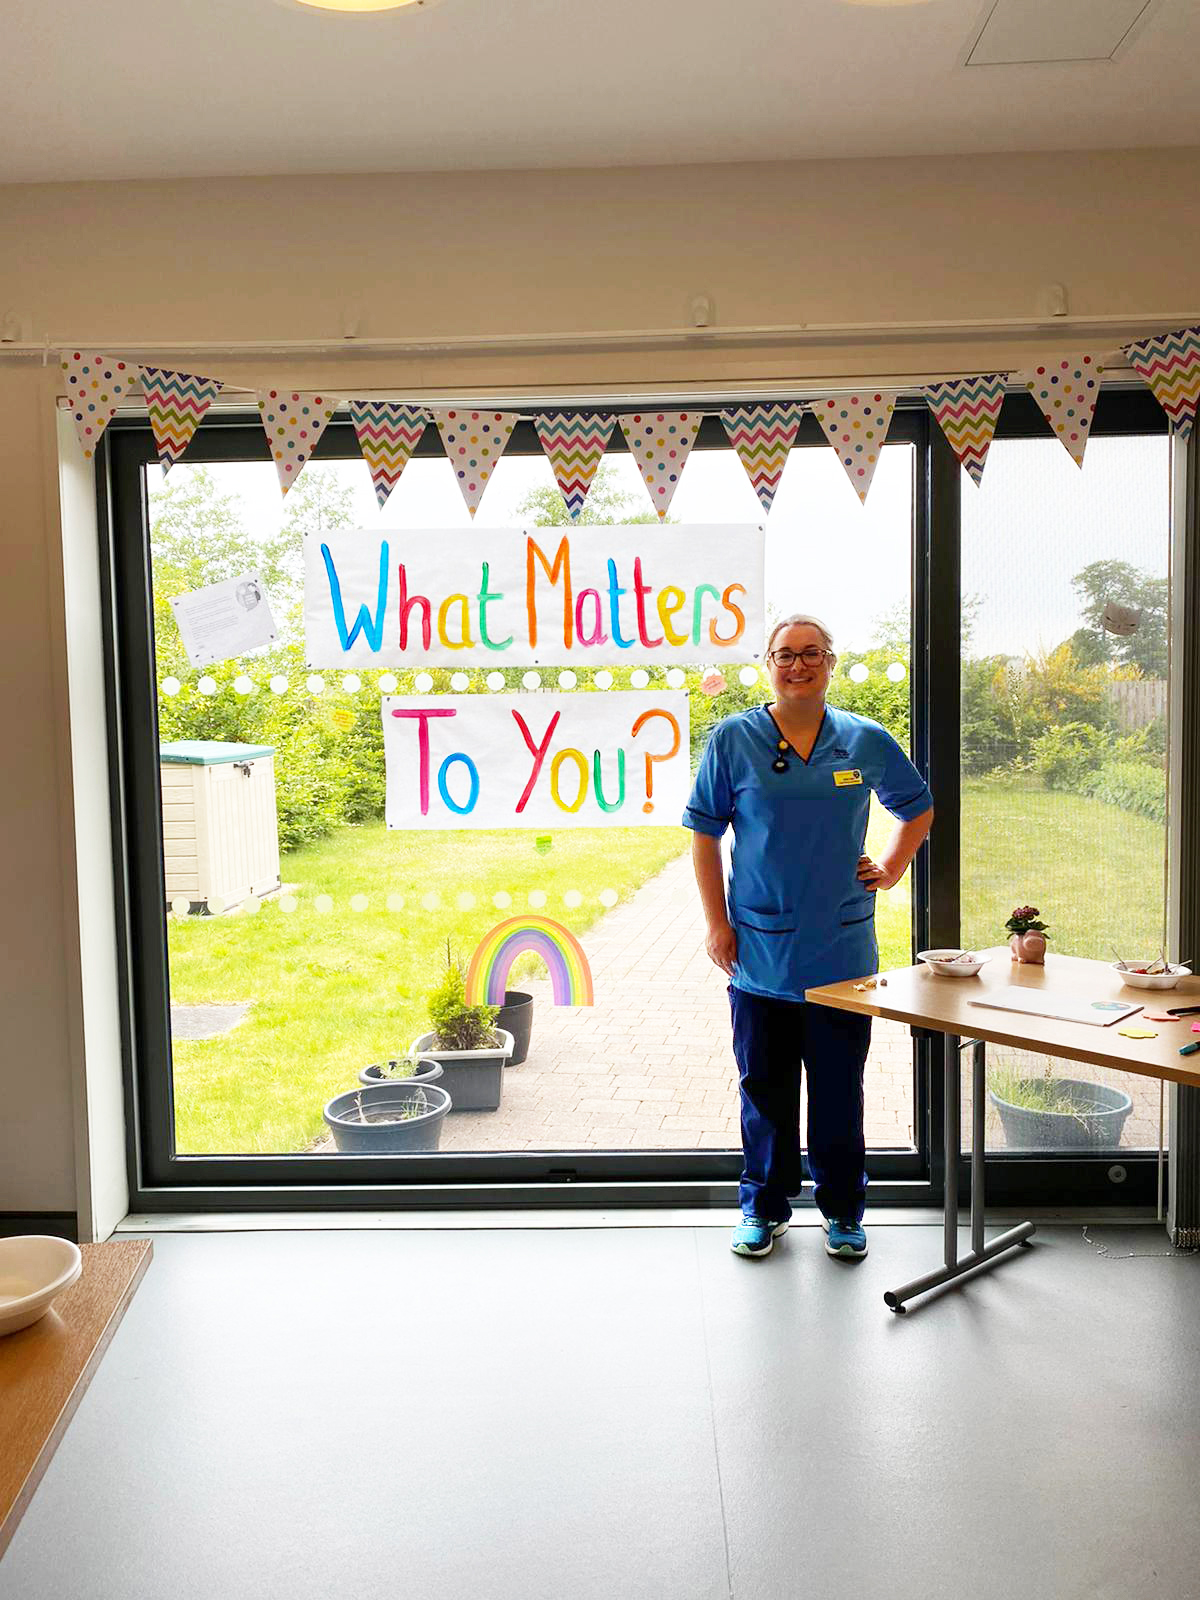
(721, 944)
(874, 876)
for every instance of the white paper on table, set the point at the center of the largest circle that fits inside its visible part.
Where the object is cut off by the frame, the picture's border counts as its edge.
(1059, 1007)
(225, 619)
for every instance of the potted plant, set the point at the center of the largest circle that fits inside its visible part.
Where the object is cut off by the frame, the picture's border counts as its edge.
(464, 1040)
(388, 1118)
(515, 1016)
(398, 1068)
(1029, 935)
(1050, 1113)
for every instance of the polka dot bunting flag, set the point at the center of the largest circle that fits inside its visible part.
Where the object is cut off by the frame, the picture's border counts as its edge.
(293, 423)
(473, 441)
(660, 442)
(94, 386)
(856, 426)
(1065, 388)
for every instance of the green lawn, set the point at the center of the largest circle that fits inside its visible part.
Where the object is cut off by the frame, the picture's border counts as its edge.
(333, 990)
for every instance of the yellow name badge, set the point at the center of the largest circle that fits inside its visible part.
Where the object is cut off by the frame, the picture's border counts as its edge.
(850, 775)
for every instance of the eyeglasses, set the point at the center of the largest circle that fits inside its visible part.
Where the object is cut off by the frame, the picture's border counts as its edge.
(811, 657)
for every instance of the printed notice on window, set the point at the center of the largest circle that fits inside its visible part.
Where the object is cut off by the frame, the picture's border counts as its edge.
(226, 619)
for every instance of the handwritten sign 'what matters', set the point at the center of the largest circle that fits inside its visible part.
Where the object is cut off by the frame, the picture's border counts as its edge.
(499, 597)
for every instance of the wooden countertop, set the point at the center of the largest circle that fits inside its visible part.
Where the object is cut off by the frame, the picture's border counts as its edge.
(45, 1369)
(920, 997)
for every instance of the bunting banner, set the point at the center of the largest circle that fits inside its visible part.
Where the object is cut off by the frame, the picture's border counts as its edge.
(573, 442)
(95, 384)
(1066, 388)
(176, 402)
(966, 410)
(762, 437)
(294, 422)
(387, 434)
(856, 426)
(660, 442)
(473, 441)
(1170, 364)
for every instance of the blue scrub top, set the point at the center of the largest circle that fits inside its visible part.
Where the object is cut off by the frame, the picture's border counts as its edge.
(800, 914)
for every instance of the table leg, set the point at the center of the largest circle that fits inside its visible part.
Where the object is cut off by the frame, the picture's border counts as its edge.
(980, 1255)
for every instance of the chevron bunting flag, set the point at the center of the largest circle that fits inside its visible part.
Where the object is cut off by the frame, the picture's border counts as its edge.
(1066, 389)
(176, 402)
(856, 426)
(1170, 364)
(660, 442)
(293, 423)
(387, 433)
(762, 437)
(966, 409)
(574, 441)
(95, 384)
(473, 441)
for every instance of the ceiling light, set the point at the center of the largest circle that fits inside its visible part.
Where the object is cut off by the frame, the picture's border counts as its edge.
(366, 5)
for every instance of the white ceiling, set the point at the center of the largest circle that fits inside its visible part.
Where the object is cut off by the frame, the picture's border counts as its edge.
(93, 89)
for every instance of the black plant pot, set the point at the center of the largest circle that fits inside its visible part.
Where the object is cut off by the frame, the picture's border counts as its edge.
(516, 1016)
(1095, 1125)
(427, 1069)
(420, 1132)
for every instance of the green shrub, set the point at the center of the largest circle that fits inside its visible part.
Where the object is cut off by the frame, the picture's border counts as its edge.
(1131, 785)
(1065, 754)
(457, 1025)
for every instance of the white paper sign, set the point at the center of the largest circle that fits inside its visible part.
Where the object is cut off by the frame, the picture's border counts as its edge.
(225, 620)
(536, 760)
(501, 597)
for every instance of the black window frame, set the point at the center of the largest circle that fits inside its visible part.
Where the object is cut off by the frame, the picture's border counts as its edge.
(161, 1180)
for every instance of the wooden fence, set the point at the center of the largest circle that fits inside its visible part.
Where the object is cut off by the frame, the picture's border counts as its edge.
(1137, 701)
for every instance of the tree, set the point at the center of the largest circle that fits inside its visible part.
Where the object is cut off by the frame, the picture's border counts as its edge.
(607, 503)
(1126, 585)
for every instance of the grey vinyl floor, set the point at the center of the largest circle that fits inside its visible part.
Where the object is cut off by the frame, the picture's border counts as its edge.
(632, 1414)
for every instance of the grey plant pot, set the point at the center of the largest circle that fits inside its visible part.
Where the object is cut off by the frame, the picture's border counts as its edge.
(474, 1078)
(422, 1132)
(427, 1071)
(1097, 1126)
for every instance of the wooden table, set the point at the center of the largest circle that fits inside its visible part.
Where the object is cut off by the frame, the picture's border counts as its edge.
(921, 998)
(45, 1369)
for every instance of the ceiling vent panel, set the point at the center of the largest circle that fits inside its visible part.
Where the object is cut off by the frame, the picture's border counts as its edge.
(1025, 32)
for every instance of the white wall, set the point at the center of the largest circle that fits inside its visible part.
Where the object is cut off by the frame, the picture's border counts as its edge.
(115, 264)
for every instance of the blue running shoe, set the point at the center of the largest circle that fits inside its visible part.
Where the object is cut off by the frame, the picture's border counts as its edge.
(847, 1238)
(755, 1237)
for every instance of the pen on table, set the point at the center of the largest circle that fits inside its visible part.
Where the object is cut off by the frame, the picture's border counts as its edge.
(1190, 1049)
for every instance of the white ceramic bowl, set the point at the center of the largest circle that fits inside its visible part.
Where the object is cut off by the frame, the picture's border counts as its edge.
(1150, 980)
(34, 1269)
(949, 963)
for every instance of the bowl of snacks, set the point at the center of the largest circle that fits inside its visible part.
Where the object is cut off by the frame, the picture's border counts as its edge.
(1150, 974)
(952, 963)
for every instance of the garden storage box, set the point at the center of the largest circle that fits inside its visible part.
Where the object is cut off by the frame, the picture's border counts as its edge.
(220, 836)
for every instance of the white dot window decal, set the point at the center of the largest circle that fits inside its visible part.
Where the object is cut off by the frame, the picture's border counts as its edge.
(181, 906)
(352, 683)
(859, 672)
(243, 685)
(896, 671)
(603, 679)
(567, 679)
(572, 898)
(358, 902)
(431, 900)
(423, 683)
(388, 682)
(465, 901)
(207, 685)
(216, 904)
(250, 906)
(608, 897)
(532, 680)
(748, 675)
(170, 687)
(676, 678)
(395, 902)
(537, 898)
(288, 902)
(639, 678)
(323, 903)
(495, 680)
(279, 684)
(502, 900)
(315, 683)
(459, 682)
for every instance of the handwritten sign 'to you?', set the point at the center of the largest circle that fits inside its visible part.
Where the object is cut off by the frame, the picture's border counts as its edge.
(503, 597)
(536, 760)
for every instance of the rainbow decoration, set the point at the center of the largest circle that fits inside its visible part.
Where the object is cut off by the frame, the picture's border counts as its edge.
(570, 975)
(966, 409)
(573, 442)
(1170, 364)
(762, 437)
(176, 402)
(387, 434)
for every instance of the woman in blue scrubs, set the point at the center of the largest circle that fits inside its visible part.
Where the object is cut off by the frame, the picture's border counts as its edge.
(794, 779)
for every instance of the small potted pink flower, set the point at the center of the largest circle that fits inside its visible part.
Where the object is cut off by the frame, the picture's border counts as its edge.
(1029, 935)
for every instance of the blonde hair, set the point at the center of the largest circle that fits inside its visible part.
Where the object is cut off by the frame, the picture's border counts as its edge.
(801, 620)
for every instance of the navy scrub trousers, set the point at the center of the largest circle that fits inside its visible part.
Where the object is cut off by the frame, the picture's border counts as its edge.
(772, 1039)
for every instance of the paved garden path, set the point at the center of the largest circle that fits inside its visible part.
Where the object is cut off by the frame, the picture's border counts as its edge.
(650, 1064)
